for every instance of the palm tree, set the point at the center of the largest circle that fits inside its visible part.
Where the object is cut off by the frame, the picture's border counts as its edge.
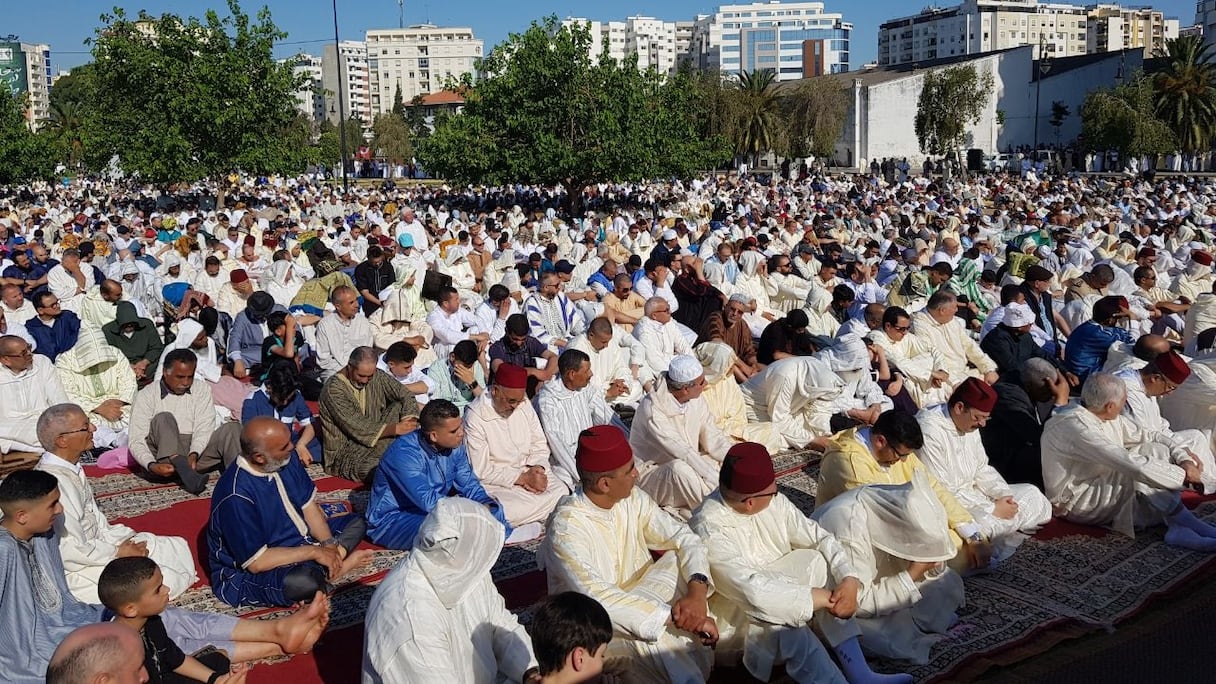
(759, 122)
(66, 128)
(1186, 93)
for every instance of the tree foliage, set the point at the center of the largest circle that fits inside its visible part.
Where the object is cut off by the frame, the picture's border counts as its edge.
(24, 155)
(391, 138)
(548, 114)
(950, 100)
(759, 126)
(815, 112)
(1124, 118)
(182, 99)
(1185, 95)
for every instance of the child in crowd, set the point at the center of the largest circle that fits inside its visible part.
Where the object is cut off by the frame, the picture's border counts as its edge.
(133, 589)
(570, 635)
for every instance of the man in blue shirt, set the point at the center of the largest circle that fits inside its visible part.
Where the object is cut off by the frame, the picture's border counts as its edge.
(1089, 344)
(269, 541)
(31, 274)
(419, 469)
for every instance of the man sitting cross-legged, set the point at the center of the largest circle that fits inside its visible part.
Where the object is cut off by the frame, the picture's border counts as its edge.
(776, 572)
(38, 611)
(269, 542)
(599, 542)
(87, 541)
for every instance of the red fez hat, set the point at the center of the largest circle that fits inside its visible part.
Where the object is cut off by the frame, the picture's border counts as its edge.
(238, 276)
(151, 233)
(1172, 367)
(1202, 258)
(385, 241)
(269, 242)
(511, 376)
(747, 469)
(1146, 252)
(601, 449)
(249, 240)
(976, 394)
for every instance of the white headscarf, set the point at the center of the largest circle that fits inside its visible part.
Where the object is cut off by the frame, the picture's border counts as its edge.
(459, 541)
(283, 283)
(849, 353)
(208, 368)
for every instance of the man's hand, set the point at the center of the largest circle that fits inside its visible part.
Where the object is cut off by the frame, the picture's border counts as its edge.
(844, 598)
(821, 598)
(690, 611)
(617, 388)
(406, 425)
(141, 368)
(1005, 508)
(917, 570)
(464, 373)
(1194, 473)
(991, 377)
(534, 480)
(110, 409)
(979, 554)
(707, 631)
(330, 557)
(938, 377)
(304, 454)
(236, 674)
(131, 548)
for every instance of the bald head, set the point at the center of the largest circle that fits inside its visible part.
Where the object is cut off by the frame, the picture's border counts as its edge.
(110, 290)
(106, 651)
(1149, 347)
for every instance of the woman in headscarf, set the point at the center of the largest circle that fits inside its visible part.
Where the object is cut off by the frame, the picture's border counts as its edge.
(227, 392)
(725, 399)
(861, 400)
(966, 282)
(897, 539)
(753, 281)
(282, 283)
(402, 316)
(457, 266)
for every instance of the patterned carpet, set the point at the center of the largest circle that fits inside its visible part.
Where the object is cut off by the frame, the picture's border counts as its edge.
(1067, 576)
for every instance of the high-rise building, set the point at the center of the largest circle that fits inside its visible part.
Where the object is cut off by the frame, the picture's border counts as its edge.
(1205, 17)
(794, 39)
(1064, 30)
(25, 69)
(345, 67)
(657, 43)
(418, 60)
(310, 98)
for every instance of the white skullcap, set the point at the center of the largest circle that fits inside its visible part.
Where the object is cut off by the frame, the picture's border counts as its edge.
(341, 250)
(1017, 315)
(668, 234)
(741, 298)
(684, 368)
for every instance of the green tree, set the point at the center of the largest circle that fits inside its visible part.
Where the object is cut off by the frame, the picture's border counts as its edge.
(950, 100)
(1124, 118)
(182, 99)
(65, 130)
(815, 112)
(391, 139)
(1059, 113)
(759, 125)
(398, 103)
(415, 117)
(1185, 95)
(24, 155)
(548, 114)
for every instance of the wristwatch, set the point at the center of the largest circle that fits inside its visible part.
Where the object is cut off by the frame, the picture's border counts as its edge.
(698, 577)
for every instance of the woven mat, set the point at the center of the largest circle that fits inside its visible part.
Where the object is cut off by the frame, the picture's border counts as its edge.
(1067, 578)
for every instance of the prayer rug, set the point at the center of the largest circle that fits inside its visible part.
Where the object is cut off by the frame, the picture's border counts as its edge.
(1068, 578)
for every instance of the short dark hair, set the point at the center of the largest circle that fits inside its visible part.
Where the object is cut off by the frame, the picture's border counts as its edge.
(119, 583)
(571, 360)
(446, 293)
(499, 292)
(892, 315)
(276, 319)
(599, 325)
(177, 356)
(564, 622)
(943, 268)
(900, 429)
(1141, 272)
(1009, 294)
(465, 352)
(282, 379)
(843, 293)
(400, 352)
(41, 297)
(24, 486)
(374, 252)
(517, 324)
(435, 412)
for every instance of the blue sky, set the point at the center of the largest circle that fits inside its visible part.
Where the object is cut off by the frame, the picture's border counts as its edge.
(65, 24)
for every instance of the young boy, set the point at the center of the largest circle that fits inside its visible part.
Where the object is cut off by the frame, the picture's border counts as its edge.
(398, 361)
(570, 635)
(133, 589)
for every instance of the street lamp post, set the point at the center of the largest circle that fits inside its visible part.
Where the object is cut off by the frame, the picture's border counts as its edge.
(341, 102)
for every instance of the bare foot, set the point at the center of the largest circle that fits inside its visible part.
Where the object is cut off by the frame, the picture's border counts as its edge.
(298, 631)
(356, 560)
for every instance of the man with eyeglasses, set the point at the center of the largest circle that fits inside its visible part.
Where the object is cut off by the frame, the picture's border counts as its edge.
(729, 327)
(884, 453)
(777, 572)
(624, 306)
(922, 365)
(954, 453)
(1159, 378)
(87, 540)
(29, 385)
(54, 329)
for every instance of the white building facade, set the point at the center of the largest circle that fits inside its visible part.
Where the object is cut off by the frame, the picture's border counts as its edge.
(657, 43)
(418, 60)
(25, 69)
(979, 26)
(310, 97)
(795, 39)
(345, 75)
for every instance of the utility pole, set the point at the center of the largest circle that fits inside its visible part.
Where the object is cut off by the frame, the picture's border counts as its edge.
(400, 14)
(341, 66)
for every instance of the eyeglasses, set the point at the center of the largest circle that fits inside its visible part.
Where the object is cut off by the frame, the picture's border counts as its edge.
(625, 290)
(758, 496)
(23, 354)
(901, 328)
(52, 305)
(86, 428)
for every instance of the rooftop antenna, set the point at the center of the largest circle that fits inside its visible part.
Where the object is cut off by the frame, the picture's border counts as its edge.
(426, 8)
(400, 14)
